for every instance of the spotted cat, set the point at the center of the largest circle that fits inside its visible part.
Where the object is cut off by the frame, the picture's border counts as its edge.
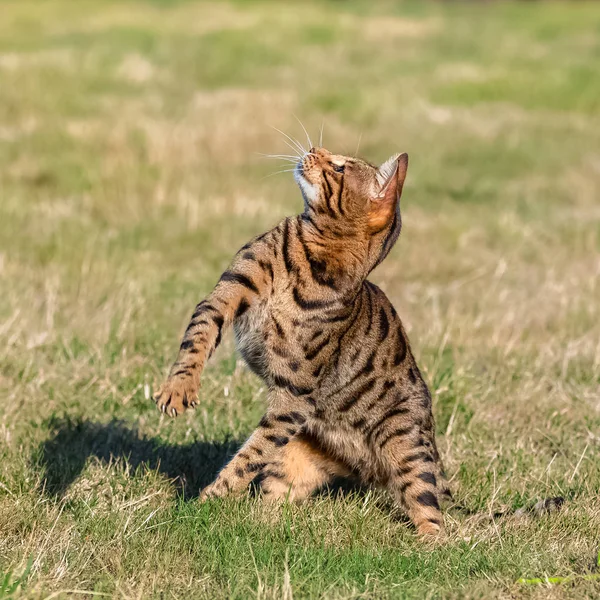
(345, 395)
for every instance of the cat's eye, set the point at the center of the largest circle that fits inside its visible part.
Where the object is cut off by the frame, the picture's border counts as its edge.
(338, 168)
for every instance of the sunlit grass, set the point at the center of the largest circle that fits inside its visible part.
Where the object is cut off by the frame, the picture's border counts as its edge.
(130, 171)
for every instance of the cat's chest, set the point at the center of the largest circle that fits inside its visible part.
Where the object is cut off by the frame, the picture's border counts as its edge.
(250, 339)
(265, 338)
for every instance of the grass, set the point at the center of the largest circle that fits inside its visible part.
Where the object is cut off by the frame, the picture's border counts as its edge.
(129, 174)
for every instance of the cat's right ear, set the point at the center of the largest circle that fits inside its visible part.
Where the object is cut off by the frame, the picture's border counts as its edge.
(390, 176)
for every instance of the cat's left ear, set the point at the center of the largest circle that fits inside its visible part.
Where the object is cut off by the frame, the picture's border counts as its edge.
(390, 176)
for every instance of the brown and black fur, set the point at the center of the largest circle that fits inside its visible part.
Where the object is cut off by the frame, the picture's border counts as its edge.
(345, 394)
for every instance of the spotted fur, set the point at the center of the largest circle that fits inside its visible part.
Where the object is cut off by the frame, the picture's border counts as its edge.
(345, 394)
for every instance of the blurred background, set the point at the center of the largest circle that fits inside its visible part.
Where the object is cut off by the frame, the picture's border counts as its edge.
(131, 136)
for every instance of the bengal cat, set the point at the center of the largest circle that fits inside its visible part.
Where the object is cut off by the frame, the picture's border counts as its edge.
(345, 396)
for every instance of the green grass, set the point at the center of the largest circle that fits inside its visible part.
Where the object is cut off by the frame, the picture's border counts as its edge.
(129, 174)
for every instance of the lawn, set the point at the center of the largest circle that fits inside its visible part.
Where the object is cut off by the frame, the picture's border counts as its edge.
(131, 136)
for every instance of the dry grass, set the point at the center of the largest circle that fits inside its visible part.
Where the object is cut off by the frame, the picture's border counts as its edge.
(130, 135)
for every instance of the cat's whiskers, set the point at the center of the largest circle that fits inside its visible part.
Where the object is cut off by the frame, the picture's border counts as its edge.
(279, 172)
(358, 144)
(293, 156)
(310, 144)
(293, 148)
(285, 157)
(297, 146)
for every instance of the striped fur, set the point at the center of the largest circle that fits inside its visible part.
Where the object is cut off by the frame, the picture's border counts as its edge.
(345, 394)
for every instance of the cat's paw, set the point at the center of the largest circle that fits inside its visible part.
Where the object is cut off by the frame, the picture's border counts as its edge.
(175, 395)
(431, 532)
(217, 489)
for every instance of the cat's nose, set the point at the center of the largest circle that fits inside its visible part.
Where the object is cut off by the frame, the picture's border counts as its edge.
(319, 151)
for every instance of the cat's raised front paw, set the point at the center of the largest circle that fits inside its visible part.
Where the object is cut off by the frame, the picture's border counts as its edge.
(175, 395)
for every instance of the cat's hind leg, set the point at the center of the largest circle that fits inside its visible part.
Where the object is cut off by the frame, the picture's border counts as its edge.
(414, 476)
(299, 469)
(285, 417)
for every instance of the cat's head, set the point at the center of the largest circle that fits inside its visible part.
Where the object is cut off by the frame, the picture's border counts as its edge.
(351, 198)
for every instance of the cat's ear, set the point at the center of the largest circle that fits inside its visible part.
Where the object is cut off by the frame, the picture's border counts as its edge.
(390, 176)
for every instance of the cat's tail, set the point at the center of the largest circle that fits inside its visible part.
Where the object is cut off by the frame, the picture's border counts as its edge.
(543, 507)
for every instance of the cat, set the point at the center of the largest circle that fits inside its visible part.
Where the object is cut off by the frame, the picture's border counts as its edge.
(345, 395)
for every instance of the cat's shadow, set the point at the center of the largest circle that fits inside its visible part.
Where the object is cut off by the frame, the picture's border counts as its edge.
(192, 466)
(63, 456)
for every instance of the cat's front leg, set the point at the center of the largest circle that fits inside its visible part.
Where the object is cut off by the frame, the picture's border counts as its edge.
(239, 288)
(202, 336)
(282, 422)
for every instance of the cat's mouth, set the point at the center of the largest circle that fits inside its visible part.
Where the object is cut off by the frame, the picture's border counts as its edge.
(308, 189)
